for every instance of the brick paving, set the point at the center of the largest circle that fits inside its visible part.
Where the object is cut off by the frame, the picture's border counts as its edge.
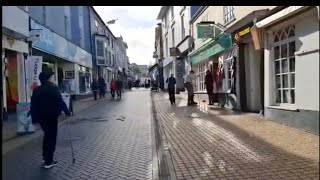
(205, 146)
(111, 140)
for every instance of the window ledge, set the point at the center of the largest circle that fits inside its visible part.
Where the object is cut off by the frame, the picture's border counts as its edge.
(287, 108)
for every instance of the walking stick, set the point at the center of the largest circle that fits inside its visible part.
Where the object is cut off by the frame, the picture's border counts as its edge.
(69, 129)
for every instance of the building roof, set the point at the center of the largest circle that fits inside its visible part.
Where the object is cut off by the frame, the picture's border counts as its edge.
(162, 12)
(102, 21)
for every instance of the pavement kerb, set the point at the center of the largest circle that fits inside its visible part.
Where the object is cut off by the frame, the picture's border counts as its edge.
(166, 168)
(155, 169)
(22, 140)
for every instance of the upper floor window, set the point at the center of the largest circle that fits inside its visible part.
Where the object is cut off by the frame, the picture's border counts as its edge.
(173, 43)
(112, 43)
(172, 12)
(183, 33)
(228, 14)
(96, 25)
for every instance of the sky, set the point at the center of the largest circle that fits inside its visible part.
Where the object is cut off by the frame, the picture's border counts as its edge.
(136, 24)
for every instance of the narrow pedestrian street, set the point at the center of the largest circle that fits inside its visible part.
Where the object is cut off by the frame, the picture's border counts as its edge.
(111, 140)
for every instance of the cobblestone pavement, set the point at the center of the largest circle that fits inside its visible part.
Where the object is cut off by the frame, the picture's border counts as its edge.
(111, 140)
(204, 146)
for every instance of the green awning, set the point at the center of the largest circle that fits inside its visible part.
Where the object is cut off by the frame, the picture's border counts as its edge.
(216, 45)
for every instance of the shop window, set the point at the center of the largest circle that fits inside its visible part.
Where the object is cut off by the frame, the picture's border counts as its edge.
(228, 14)
(284, 65)
(200, 71)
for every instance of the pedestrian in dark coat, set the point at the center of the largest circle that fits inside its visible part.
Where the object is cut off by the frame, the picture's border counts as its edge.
(102, 87)
(95, 88)
(46, 106)
(209, 86)
(119, 86)
(171, 89)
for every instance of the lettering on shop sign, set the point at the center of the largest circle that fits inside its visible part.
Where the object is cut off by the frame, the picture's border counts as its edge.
(35, 70)
(241, 33)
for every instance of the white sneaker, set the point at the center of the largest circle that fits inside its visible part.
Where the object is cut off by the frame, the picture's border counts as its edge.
(54, 163)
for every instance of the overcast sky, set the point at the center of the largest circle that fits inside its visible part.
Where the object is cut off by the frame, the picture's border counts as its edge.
(136, 25)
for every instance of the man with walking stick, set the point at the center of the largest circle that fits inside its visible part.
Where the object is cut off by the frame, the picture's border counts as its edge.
(46, 106)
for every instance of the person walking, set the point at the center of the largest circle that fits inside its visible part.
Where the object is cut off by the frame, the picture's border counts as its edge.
(171, 89)
(189, 86)
(119, 85)
(113, 88)
(46, 106)
(209, 86)
(102, 87)
(95, 88)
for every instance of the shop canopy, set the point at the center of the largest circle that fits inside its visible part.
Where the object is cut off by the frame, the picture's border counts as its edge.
(218, 44)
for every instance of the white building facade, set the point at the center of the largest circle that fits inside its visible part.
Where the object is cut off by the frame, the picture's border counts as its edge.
(291, 53)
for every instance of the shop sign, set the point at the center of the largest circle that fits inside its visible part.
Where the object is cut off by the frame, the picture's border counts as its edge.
(238, 35)
(205, 31)
(33, 69)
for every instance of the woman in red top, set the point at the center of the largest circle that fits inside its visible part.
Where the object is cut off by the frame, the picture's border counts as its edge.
(113, 87)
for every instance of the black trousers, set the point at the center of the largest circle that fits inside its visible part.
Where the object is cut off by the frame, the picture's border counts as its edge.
(112, 93)
(50, 139)
(172, 96)
(102, 93)
(95, 95)
(119, 93)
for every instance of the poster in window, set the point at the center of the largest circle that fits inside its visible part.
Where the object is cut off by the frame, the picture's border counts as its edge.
(24, 121)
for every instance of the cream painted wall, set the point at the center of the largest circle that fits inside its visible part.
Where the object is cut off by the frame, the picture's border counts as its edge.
(307, 64)
(215, 13)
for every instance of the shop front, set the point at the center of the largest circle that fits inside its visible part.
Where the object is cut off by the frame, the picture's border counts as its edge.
(71, 64)
(249, 64)
(210, 57)
(14, 53)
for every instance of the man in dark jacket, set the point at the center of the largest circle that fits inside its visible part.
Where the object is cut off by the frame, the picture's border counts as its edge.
(209, 86)
(102, 87)
(171, 89)
(46, 106)
(95, 88)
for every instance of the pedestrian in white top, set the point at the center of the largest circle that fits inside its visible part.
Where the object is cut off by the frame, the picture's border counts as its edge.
(189, 86)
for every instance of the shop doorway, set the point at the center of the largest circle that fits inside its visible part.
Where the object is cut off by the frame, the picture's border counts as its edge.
(252, 72)
(11, 80)
(60, 78)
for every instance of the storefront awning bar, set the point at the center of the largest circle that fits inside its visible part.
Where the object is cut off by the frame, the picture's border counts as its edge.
(217, 45)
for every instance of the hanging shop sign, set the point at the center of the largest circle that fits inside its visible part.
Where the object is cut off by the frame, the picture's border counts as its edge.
(238, 35)
(24, 121)
(205, 31)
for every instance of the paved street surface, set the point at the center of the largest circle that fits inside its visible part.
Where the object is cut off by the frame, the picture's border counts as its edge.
(204, 146)
(112, 140)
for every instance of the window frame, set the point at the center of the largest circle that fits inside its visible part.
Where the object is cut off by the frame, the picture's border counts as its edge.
(281, 73)
(183, 30)
(228, 14)
(96, 25)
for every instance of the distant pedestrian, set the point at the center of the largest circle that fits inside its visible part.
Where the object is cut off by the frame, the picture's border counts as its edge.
(189, 84)
(171, 89)
(46, 106)
(102, 87)
(209, 86)
(95, 88)
(113, 88)
(119, 86)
